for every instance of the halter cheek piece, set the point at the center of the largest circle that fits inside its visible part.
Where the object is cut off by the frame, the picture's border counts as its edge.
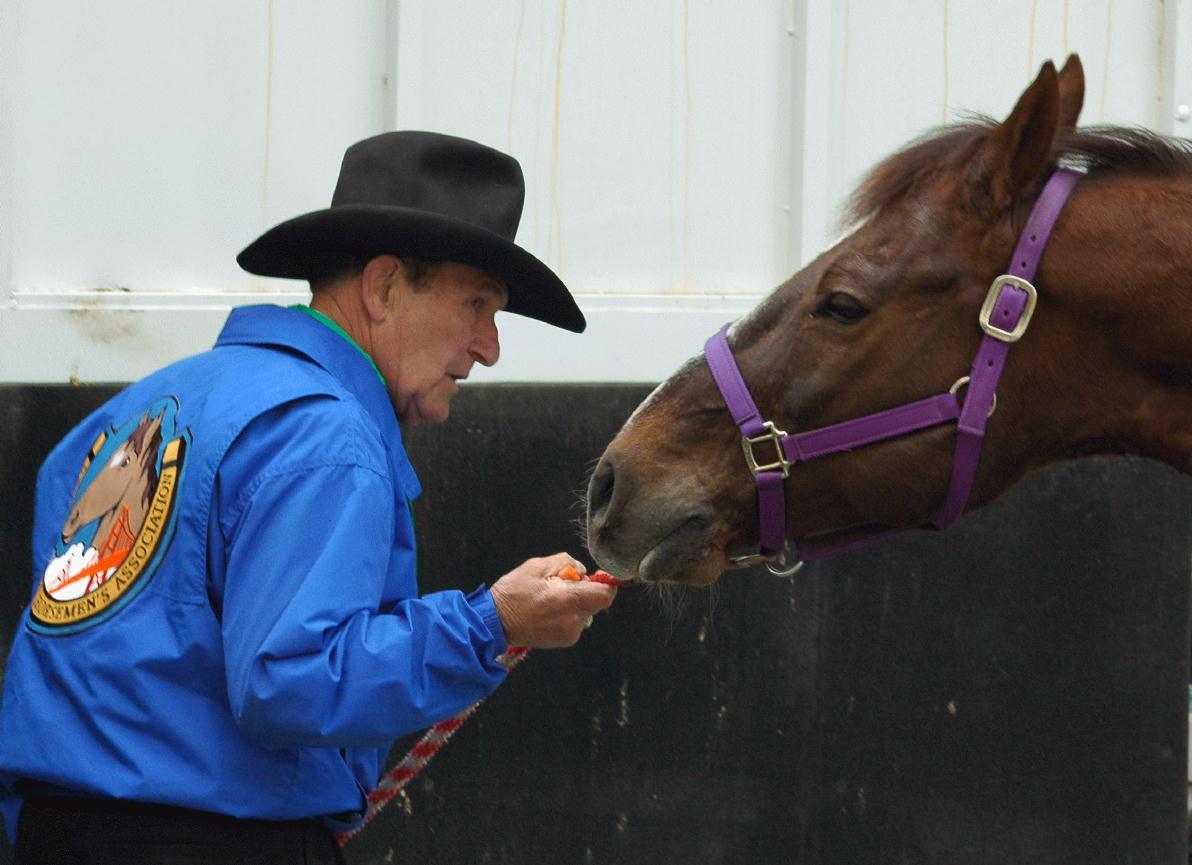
(1004, 317)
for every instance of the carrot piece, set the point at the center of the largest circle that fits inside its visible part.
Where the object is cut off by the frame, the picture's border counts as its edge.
(604, 577)
(570, 573)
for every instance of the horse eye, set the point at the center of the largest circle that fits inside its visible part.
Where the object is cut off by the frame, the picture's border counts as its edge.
(842, 307)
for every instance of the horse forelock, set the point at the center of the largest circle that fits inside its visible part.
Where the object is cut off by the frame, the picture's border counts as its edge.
(897, 175)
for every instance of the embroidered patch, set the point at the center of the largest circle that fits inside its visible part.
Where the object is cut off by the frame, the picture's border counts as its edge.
(119, 525)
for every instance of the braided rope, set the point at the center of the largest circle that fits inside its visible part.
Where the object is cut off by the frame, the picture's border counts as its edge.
(421, 753)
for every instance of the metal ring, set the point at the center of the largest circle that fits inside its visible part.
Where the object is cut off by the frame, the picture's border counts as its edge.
(776, 565)
(961, 382)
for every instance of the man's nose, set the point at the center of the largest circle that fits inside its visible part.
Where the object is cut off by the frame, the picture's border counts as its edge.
(486, 347)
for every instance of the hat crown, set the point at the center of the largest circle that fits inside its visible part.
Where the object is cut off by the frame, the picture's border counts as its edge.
(434, 173)
(426, 195)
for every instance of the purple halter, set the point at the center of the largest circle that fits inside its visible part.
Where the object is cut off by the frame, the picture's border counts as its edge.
(1004, 317)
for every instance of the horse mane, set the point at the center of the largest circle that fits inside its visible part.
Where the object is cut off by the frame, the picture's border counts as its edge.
(1131, 149)
(145, 448)
(137, 437)
(1094, 149)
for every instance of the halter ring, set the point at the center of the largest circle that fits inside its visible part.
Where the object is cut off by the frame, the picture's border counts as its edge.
(779, 561)
(776, 565)
(961, 382)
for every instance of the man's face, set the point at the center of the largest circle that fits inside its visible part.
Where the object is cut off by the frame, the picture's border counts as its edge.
(438, 331)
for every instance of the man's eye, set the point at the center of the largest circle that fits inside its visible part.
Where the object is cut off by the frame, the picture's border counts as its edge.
(842, 307)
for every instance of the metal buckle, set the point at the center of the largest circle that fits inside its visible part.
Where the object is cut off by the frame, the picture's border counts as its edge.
(774, 436)
(991, 297)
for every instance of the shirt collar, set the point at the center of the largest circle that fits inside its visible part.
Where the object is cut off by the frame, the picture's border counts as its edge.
(293, 330)
(327, 321)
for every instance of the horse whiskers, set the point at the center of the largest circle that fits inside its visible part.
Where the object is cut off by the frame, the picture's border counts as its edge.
(579, 507)
(669, 601)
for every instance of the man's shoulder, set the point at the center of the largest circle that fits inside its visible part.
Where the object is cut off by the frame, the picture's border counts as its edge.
(232, 385)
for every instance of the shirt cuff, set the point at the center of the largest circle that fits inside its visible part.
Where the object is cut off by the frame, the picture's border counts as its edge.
(481, 600)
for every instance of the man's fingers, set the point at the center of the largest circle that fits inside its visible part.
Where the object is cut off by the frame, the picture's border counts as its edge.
(592, 597)
(564, 565)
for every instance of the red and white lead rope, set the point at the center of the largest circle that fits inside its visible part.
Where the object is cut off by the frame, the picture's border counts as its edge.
(424, 749)
(436, 737)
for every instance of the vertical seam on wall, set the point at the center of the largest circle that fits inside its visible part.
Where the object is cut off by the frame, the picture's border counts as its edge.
(945, 108)
(268, 112)
(517, 44)
(685, 274)
(556, 219)
(1030, 42)
(389, 91)
(1105, 68)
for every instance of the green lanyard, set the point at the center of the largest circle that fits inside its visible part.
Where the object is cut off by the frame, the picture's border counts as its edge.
(318, 316)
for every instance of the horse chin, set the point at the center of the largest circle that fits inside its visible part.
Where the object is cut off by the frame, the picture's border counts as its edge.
(695, 568)
(685, 555)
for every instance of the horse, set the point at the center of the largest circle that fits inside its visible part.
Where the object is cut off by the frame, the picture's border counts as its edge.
(894, 320)
(118, 497)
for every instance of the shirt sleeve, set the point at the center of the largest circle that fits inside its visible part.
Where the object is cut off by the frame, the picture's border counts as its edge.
(318, 652)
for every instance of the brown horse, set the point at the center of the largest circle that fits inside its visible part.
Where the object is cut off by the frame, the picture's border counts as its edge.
(120, 494)
(889, 315)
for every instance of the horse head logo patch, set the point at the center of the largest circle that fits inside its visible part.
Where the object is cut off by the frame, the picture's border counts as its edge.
(120, 521)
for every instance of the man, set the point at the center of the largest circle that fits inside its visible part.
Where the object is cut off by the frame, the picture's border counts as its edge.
(225, 635)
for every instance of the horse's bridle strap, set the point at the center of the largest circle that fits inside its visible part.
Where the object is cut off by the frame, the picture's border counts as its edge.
(1011, 299)
(912, 417)
(1007, 311)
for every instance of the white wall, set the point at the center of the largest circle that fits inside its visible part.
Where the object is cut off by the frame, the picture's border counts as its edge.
(682, 157)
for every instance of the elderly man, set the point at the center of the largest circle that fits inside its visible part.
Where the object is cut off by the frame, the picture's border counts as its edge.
(225, 635)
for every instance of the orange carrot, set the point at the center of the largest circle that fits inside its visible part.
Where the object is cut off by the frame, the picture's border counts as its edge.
(570, 573)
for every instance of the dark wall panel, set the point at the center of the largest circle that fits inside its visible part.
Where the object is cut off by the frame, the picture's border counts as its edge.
(1014, 689)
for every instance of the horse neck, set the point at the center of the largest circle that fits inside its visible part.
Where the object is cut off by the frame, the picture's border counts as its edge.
(1120, 274)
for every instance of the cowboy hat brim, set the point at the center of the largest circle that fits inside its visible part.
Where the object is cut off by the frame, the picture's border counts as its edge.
(299, 247)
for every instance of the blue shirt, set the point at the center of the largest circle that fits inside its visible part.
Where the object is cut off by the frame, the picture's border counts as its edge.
(225, 611)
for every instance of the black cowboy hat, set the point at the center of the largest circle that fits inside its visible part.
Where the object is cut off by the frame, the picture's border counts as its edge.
(431, 196)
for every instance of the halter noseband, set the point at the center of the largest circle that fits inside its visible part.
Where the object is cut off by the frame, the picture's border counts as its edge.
(1004, 317)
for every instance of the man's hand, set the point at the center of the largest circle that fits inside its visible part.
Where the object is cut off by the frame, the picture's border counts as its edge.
(540, 611)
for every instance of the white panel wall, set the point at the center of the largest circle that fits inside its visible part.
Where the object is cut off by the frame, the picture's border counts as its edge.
(682, 156)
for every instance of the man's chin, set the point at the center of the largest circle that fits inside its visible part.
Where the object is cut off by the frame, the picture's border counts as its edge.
(416, 414)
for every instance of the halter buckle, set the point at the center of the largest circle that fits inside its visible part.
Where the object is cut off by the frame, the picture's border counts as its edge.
(991, 297)
(774, 436)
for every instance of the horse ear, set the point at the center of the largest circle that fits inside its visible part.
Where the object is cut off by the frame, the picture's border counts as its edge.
(1018, 151)
(144, 433)
(1071, 92)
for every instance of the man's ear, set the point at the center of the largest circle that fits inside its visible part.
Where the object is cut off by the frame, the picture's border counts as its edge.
(380, 282)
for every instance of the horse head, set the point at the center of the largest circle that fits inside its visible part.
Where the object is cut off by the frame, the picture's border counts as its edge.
(127, 478)
(886, 316)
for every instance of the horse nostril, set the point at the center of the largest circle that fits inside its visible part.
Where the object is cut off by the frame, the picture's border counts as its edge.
(600, 489)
